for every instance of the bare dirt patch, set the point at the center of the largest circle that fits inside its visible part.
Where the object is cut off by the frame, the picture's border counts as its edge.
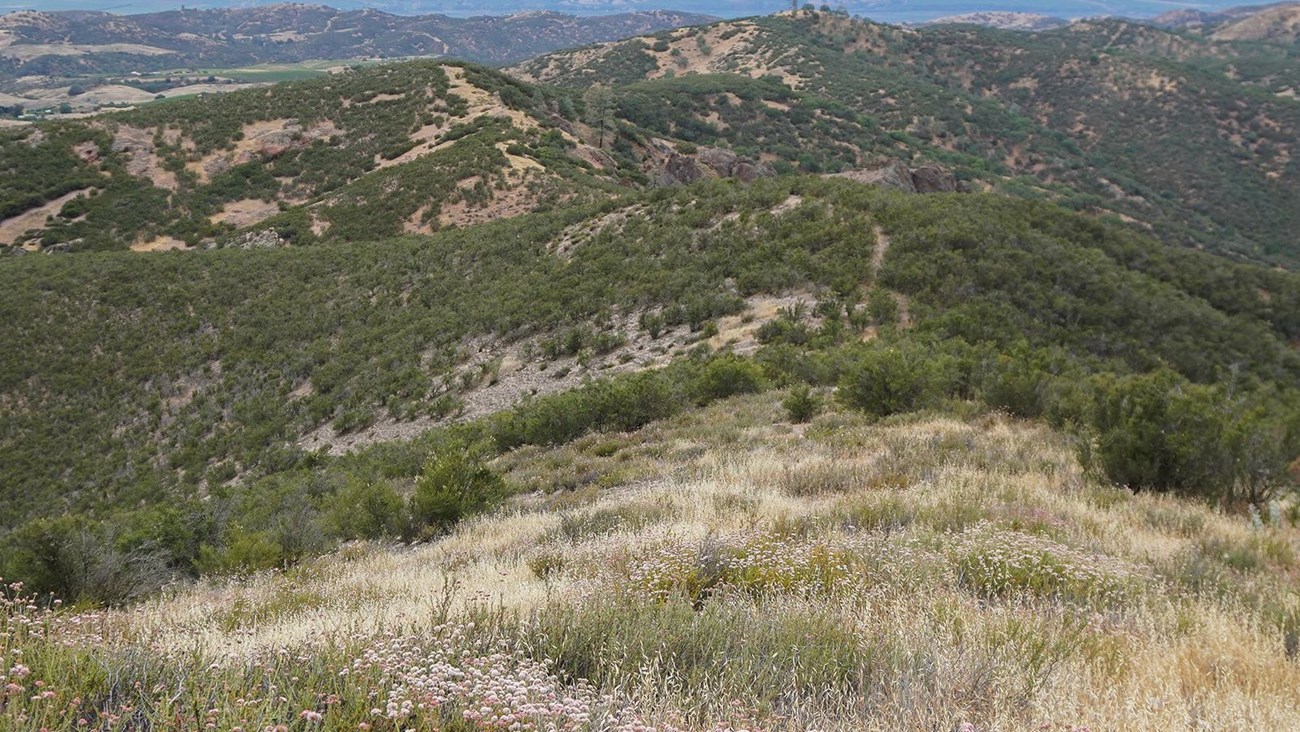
(482, 103)
(740, 332)
(517, 198)
(319, 226)
(579, 233)
(34, 219)
(160, 244)
(245, 212)
(714, 50)
(265, 139)
(138, 144)
(427, 141)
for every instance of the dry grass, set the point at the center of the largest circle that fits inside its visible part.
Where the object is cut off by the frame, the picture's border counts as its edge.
(921, 573)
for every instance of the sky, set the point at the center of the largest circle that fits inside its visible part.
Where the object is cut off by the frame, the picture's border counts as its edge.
(894, 11)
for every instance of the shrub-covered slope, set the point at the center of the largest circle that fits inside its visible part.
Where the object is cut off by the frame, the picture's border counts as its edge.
(1187, 136)
(130, 381)
(460, 143)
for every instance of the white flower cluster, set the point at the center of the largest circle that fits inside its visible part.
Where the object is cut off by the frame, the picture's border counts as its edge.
(997, 562)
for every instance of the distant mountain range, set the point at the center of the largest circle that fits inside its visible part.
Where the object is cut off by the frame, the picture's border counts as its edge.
(88, 42)
(1279, 23)
(894, 11)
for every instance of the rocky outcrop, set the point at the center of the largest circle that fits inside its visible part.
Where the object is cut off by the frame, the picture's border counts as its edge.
(263, 239)
(671, 168)
(934, 179)
(728, 164)
(897, 175)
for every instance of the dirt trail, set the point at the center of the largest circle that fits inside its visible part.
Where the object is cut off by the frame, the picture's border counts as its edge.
(877, 263)
(878, 255)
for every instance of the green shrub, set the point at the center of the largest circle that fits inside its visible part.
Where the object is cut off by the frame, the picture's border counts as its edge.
(892, 380)
(244, 551)
(882, 307)
(1159, 431)
(801, 404)
(455, 484)
(366, 510)
(728, 376)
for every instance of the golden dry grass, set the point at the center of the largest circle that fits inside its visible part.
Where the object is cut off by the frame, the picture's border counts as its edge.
(920, 573)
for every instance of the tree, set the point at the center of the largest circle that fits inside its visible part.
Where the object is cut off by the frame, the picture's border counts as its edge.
(599, 100)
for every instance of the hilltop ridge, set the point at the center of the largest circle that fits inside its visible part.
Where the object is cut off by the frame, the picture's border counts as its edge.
(1275, 23)
(1099, 114)
(72, 43)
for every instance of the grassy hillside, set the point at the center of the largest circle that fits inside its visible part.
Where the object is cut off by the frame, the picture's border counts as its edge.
(1160, 128)
(734, 571)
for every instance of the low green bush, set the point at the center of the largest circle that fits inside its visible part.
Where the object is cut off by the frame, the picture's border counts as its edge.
(456, 484)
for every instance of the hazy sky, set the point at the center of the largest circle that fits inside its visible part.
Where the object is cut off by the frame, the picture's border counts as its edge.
(885, 10)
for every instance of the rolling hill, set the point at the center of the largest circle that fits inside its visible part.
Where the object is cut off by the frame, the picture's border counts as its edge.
(80, 43)
(1267, 23)
(177, 174)
(1101, 115)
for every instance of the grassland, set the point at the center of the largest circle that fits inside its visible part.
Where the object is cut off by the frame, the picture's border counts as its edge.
(733, 570)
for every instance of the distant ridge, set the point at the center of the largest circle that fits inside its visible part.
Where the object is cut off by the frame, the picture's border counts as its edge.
(1276, 23)
(72, 43)
(1005, 21)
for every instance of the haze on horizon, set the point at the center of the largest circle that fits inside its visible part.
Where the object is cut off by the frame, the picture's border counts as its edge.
(893, 11)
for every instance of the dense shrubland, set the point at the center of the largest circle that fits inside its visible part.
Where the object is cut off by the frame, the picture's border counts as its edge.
(1100, 116)
(135, 384)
